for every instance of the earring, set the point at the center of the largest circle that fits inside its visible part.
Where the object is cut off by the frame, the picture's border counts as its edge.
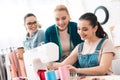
(93, 33)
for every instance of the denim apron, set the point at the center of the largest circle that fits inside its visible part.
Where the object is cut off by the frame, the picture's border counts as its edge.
(89, 60)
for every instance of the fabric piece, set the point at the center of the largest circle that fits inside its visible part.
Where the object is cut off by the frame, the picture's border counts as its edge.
(50, 75)
(41, 74)
(15, 67)
(22, 68)
(64, 73)
(12, 66)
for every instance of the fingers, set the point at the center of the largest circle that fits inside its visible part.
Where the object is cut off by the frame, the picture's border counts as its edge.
(50, 66)
(71, 68)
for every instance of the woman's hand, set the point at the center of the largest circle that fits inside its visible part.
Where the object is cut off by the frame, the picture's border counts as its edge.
(56, 65)
(72, 69)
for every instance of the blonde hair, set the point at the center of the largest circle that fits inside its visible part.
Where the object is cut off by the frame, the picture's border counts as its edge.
(61, 8)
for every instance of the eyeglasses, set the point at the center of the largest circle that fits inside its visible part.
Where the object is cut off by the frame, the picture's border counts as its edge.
(32, 23)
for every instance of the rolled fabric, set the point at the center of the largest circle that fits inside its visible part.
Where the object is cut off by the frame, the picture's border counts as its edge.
(22, 68)
(64, 73)
(12, 66)
(41, 74)
(16, 62)
(50, 75)
(57, 74)
(19, 54)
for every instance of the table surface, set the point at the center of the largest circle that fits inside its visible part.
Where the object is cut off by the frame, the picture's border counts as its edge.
(110, 77)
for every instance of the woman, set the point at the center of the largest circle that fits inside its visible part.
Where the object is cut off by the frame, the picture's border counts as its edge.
(95, 54)
(34, 36)
(63, 33)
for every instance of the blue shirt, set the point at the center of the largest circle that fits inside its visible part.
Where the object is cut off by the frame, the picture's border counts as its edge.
(34, 41)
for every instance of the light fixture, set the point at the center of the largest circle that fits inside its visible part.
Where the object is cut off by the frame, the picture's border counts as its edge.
(102, 14)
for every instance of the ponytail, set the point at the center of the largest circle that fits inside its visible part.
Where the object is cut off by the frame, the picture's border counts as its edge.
(100, 32)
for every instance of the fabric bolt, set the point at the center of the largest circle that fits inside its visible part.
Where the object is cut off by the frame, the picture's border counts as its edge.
(50, 75)
(41, 74)
(15, 69)
(64, 73)
(22, 68)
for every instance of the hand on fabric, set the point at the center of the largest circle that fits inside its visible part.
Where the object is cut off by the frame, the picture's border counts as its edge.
(49, 66)
(56, 65)
(72, 69)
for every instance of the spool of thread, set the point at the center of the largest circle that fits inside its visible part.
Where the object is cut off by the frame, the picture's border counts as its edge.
(50, 75)
(64, 73)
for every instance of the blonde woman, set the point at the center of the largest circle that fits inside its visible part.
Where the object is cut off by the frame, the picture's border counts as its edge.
(63, 32)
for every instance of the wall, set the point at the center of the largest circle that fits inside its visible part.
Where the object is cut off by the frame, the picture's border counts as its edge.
(12, 12)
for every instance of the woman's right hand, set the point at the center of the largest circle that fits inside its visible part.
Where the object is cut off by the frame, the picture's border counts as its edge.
(56, 65)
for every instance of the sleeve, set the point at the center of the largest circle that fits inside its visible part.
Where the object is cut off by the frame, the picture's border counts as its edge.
(108, 46)
(40, 37)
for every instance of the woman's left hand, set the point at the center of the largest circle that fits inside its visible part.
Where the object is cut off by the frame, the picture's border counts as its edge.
(72, 68)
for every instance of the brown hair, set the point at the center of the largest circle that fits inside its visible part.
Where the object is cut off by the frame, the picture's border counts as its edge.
(28, 15)
(61, 8)
(92, 18)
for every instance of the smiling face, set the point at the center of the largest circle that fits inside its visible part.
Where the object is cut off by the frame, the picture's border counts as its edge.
(85, 30)
(62, 18)
(31, 24)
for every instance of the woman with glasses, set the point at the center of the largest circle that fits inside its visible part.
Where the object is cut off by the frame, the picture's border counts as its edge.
(34, 36)
(33, 39)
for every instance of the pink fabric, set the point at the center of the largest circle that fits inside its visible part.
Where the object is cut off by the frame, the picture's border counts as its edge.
(64, 73)
(22, 67)
(20, 52)
(17, 65)
(12, 66)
